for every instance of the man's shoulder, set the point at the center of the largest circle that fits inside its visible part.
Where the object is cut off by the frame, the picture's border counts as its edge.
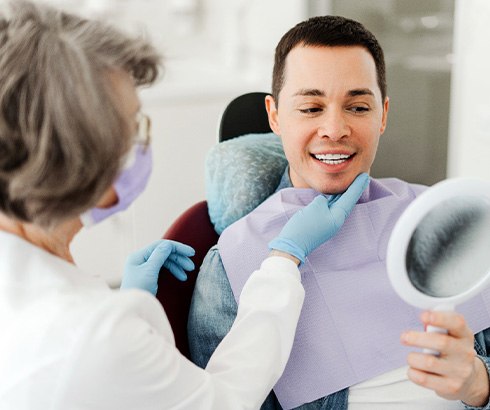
(396, 187)
(268, 213)
(393, 182)
(212, 270)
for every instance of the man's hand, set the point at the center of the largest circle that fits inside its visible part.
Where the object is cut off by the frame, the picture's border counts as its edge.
(456, 373)
(318, 222)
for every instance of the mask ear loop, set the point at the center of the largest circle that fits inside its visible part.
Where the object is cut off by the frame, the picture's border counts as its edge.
(144, 130)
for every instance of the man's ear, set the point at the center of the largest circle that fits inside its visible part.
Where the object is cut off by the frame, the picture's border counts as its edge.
(384, 119)
(270, 106)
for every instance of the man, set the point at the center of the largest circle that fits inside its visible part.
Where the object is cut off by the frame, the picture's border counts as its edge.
(329, 107)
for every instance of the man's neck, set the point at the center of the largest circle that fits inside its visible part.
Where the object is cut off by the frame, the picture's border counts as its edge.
(285, 181)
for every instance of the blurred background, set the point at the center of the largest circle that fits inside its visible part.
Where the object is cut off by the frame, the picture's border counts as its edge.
(437, 65)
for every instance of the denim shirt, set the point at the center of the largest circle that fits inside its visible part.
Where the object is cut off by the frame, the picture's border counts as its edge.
(213, 310)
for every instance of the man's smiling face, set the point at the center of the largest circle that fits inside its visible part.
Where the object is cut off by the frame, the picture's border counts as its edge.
(330, 115)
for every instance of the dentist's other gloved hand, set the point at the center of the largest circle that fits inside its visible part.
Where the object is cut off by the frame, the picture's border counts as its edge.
(319, 221)
(143, 266)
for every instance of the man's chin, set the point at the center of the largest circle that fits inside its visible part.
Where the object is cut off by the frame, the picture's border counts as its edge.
(332, 185)
(335, 185)
(333, 188)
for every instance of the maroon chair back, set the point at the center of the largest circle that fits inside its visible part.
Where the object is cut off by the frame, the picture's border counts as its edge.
(193, 228)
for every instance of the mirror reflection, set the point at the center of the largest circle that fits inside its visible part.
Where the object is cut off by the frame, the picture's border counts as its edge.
(449, 251)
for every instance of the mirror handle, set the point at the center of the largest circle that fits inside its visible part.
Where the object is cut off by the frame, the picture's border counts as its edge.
(435, 329)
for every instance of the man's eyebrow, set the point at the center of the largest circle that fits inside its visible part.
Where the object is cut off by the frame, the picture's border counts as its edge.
(315, 92)
(359, 91)
(309, 92)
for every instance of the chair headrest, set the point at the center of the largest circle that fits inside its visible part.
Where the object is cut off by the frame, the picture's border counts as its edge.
(240, 174)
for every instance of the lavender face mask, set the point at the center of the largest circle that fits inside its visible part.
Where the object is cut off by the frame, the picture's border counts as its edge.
(130, 183)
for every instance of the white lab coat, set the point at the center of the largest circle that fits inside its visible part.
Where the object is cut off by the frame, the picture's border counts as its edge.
(69, 342)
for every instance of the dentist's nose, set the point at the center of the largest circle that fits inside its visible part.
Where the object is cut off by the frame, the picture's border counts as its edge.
(333, 125)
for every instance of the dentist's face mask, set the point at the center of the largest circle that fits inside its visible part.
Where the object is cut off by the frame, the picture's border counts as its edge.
(131, 181)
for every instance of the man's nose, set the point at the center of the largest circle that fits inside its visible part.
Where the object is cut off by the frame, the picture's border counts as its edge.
(333, 124)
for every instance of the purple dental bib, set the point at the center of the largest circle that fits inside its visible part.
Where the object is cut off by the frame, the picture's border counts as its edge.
(351, 321)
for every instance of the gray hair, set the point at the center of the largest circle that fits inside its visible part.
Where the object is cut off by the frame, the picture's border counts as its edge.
(63, 136)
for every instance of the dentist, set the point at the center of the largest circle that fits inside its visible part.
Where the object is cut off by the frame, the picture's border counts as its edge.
(73, 150)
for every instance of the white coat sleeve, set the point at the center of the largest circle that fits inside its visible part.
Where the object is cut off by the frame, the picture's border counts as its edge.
(126, 358)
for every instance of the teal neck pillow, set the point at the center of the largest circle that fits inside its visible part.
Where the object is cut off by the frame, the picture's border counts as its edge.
(240, 174)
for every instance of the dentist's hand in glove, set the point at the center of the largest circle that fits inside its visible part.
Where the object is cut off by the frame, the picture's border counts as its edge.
(142, 267)
(319, 221)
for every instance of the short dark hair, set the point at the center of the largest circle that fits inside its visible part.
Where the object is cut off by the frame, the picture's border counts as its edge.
(327, 31)
(63, 137)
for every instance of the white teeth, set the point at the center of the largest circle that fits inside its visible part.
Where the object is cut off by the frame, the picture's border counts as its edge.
(332, 158)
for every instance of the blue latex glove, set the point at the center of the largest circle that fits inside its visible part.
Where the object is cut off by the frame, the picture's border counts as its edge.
(319, 221)
(143, 266)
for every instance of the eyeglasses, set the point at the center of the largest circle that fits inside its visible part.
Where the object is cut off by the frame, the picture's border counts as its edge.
(143, 122)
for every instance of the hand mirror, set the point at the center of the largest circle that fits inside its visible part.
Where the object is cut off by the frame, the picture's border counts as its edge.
(439, 251)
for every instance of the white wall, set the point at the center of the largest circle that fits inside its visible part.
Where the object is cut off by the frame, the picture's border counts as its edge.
(469, 143)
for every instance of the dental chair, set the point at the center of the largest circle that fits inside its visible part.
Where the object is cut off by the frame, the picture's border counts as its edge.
(194, 228)
(244, 115)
